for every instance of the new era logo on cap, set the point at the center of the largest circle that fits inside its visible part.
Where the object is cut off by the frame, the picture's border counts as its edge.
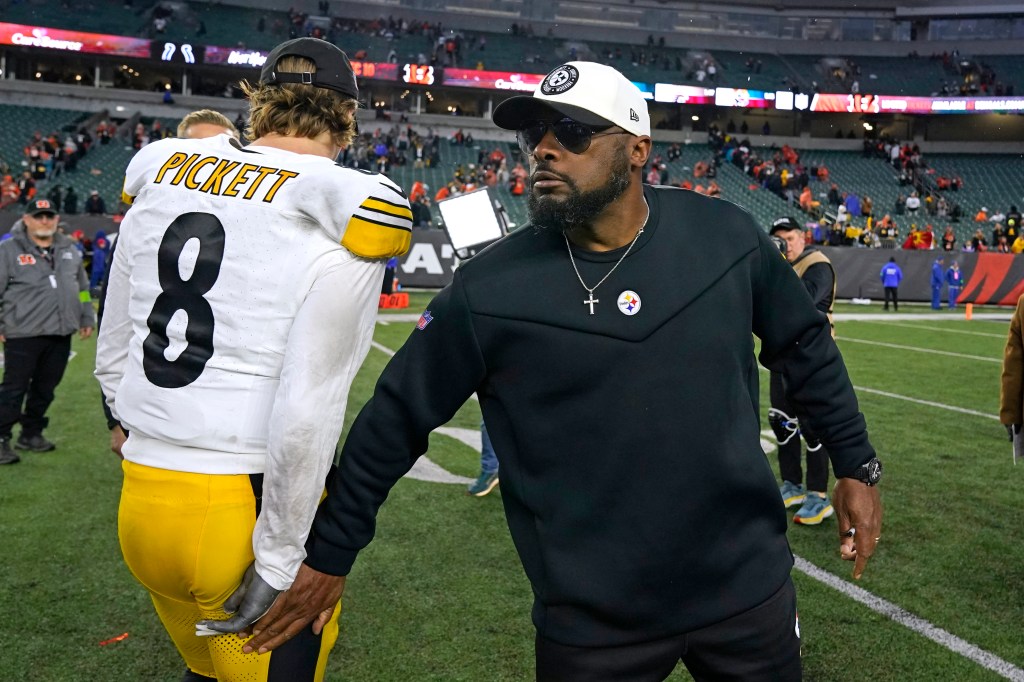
(633, 116)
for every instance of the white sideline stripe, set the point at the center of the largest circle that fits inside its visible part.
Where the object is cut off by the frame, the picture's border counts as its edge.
(906, 317)
(935, 329)
(912, 622)
(876, 604)
(918, 349)
(943, 406)
(929, 403)
(383, 349)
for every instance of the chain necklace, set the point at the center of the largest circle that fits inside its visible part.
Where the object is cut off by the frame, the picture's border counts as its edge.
(590, 301)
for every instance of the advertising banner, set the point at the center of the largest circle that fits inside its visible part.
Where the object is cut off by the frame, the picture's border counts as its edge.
(683, 94)
(72, 41)
(898, 104)
(430, 262)
(989, 278)
(742, 98)
(492, 80)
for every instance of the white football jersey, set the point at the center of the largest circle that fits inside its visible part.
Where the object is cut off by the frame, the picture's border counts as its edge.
(240, 305)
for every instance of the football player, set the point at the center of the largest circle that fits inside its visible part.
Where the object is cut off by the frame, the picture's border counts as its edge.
(241, 304)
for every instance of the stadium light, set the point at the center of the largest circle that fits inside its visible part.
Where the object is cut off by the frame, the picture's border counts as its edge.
(695, 117)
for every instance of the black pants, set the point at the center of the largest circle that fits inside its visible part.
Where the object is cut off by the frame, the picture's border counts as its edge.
(758, 645)
(789, 454)
(33, 366)
(890, 293)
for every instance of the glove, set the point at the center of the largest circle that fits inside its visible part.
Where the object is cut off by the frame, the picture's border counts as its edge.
(249, 603)
(1018, 443)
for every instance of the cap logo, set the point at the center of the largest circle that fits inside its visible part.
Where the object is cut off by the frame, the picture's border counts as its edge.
(633, 116)
(41, 204)
(560, 80)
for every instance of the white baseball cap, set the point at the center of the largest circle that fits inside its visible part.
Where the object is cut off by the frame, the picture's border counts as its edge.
(588, 92)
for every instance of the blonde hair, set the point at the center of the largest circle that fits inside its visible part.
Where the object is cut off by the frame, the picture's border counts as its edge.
(299, 110)
(206, 116)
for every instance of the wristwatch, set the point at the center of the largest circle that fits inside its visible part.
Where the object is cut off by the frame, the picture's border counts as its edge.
(869, 473)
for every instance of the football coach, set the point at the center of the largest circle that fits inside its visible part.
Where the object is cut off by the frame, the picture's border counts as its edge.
(623, 411)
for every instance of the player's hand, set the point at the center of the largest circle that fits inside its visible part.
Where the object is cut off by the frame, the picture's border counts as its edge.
(311, 598)
(84, 333)
(859, 512)
(249, 602)
(117, 439)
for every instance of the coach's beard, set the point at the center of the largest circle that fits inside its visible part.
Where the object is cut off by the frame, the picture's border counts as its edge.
(579, 208)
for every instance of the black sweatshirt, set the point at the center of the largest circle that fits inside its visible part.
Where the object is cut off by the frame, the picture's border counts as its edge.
(634, 484)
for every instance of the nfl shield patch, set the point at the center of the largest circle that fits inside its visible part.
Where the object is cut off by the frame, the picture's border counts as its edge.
(424, 320)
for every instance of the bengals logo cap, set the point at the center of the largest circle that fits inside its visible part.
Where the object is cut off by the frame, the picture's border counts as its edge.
(40, 206)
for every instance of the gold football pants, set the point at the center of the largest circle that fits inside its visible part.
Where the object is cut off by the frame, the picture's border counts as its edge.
(188, 539)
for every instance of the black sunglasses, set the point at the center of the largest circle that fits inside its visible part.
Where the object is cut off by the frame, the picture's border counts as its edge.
(574, 136)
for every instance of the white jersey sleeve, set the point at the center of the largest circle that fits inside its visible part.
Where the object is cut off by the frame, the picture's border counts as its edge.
(325, 349)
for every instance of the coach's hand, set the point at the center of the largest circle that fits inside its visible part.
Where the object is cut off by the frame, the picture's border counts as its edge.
(249, 602)
(859, 513)
(311, 598)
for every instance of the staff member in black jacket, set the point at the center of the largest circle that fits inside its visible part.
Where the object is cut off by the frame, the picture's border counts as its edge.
(44, 299)
(623, 409)
(815, 271)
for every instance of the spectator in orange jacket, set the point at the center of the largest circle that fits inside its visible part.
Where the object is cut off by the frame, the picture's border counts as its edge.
(418, 191)
(981, 216)
(8, 191)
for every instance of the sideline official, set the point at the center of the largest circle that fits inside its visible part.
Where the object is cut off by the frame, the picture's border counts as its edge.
(44, 299)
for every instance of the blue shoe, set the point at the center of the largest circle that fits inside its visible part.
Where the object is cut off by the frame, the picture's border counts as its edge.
(816, 509)
(484, 484)
(791, 494)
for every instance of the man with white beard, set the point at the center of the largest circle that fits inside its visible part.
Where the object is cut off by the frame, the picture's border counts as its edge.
(44, 299)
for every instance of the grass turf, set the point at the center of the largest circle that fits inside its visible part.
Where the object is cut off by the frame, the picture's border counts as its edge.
(440, 594)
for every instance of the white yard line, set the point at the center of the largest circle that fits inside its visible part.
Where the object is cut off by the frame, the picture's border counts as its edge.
(917, 349)
(887, 323)
(383, 349)
(912, 622)
(905, 317)
(929, 403)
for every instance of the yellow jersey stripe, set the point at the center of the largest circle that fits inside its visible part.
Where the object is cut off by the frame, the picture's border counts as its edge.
(373, 239)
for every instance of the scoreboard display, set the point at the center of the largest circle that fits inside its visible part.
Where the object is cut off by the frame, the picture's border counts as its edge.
(176, 52)
(418, 74)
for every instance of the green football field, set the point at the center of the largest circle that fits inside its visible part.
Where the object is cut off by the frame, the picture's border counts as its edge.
(440, 595)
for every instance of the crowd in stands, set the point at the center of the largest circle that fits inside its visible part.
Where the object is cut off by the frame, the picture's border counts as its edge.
(46, 158)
